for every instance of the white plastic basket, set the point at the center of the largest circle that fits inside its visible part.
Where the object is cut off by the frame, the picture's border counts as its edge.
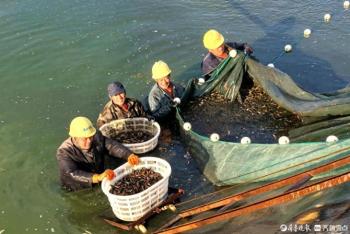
(133, 207)
(131, 125)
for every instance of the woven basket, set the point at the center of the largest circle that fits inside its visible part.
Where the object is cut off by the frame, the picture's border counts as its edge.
(133, 207)
(134, 124)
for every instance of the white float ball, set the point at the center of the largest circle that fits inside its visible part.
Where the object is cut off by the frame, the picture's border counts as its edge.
(177, 100)
(214, 137)
(187, 126)
(245, 140)
(201, 81)
(288, 48)
(327, 17)
(283, 140)
(332, 139)
(346, 4)
(307, 33)
(233, 53)
(271, 65)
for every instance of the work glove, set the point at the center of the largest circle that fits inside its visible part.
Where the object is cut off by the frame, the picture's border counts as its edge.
(133, 159)
(109, 174)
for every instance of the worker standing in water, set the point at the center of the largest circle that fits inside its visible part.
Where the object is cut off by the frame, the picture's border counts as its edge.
(218, 50)
(165, 94)
(119, 106)
(83, 157)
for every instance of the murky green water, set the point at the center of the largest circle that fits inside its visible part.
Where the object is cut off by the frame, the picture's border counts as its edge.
(58, 56)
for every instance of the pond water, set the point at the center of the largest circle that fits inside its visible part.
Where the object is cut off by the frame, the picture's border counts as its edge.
(58, 56)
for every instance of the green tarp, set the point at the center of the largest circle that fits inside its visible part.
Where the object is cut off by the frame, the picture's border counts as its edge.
(226, 163)
(227, 79)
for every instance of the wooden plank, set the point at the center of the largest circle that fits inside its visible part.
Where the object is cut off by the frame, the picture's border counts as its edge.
(170, 200)
(271, 186)
(208, 196)
(296, 181)
(118, 225)
(300, 183)
(296, 194)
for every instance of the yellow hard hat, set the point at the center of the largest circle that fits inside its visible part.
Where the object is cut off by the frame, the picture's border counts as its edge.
(81, 127)
(160, 69)
(213, 39)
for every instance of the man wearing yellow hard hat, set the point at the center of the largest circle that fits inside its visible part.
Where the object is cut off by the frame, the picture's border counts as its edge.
(218, 50)
(81, 157)
(165, 94)
(119, 106)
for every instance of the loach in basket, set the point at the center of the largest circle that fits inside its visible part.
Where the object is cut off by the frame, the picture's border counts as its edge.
(134, 124)
(133, 207)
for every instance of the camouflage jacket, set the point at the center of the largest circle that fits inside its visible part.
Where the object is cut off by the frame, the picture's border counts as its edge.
(112, 112)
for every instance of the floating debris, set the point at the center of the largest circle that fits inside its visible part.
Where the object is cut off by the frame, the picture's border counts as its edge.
(256, 116)
(131, 137)
(135, 182)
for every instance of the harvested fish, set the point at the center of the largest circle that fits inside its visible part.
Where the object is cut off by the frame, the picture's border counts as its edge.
(131, 137)
(135, 182)
(255, 116)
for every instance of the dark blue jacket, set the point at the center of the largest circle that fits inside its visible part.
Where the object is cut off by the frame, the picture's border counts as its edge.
(160, 103)
(210, 61)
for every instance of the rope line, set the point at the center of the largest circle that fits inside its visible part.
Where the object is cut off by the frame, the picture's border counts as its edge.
(315, 29)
